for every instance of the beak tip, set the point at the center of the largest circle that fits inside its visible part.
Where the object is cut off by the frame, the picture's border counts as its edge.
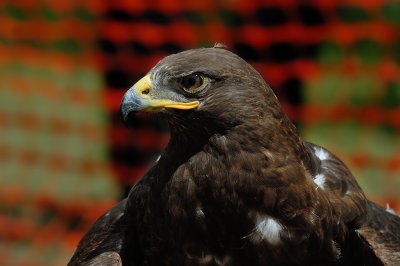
(129, 106)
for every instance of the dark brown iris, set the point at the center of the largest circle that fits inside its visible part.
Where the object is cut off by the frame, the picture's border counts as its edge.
(192, 82)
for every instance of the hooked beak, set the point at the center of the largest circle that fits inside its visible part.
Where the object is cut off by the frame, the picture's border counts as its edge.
(139, 98)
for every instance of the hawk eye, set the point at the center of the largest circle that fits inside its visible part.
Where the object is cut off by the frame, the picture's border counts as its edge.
(192, 83)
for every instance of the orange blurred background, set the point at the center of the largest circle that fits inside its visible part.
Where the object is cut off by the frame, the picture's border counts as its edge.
(65, 156)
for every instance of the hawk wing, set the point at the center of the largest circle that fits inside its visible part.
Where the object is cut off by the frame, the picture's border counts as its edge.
(374, 233)
(103, 242)
(381, 233)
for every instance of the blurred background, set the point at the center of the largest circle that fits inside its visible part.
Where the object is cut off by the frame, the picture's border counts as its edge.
(65, 156)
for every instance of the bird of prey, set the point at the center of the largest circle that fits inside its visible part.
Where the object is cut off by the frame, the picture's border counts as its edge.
(236, 185)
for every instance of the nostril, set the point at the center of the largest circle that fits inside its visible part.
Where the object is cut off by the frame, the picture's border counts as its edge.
(146, 91)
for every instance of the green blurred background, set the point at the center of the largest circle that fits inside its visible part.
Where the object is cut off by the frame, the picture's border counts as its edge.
(65, 156)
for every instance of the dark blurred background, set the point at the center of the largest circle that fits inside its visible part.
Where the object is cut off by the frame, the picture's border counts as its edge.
(65, 156)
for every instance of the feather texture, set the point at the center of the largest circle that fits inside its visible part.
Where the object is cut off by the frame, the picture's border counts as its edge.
(236, 184)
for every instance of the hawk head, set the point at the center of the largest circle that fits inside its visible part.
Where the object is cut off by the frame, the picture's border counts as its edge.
(208, 86)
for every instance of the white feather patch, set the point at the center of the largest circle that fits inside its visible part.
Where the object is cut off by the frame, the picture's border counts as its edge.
(319, 180)
(390, 210)
(200, 213)
(321, 154)
(268, 229)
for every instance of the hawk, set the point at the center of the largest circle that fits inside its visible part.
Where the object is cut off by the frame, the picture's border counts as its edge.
(236, 184)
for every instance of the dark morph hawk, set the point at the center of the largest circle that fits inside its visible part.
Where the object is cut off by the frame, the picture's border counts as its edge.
(236, 184)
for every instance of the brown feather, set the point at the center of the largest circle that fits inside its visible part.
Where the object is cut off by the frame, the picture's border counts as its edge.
(236, 184)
